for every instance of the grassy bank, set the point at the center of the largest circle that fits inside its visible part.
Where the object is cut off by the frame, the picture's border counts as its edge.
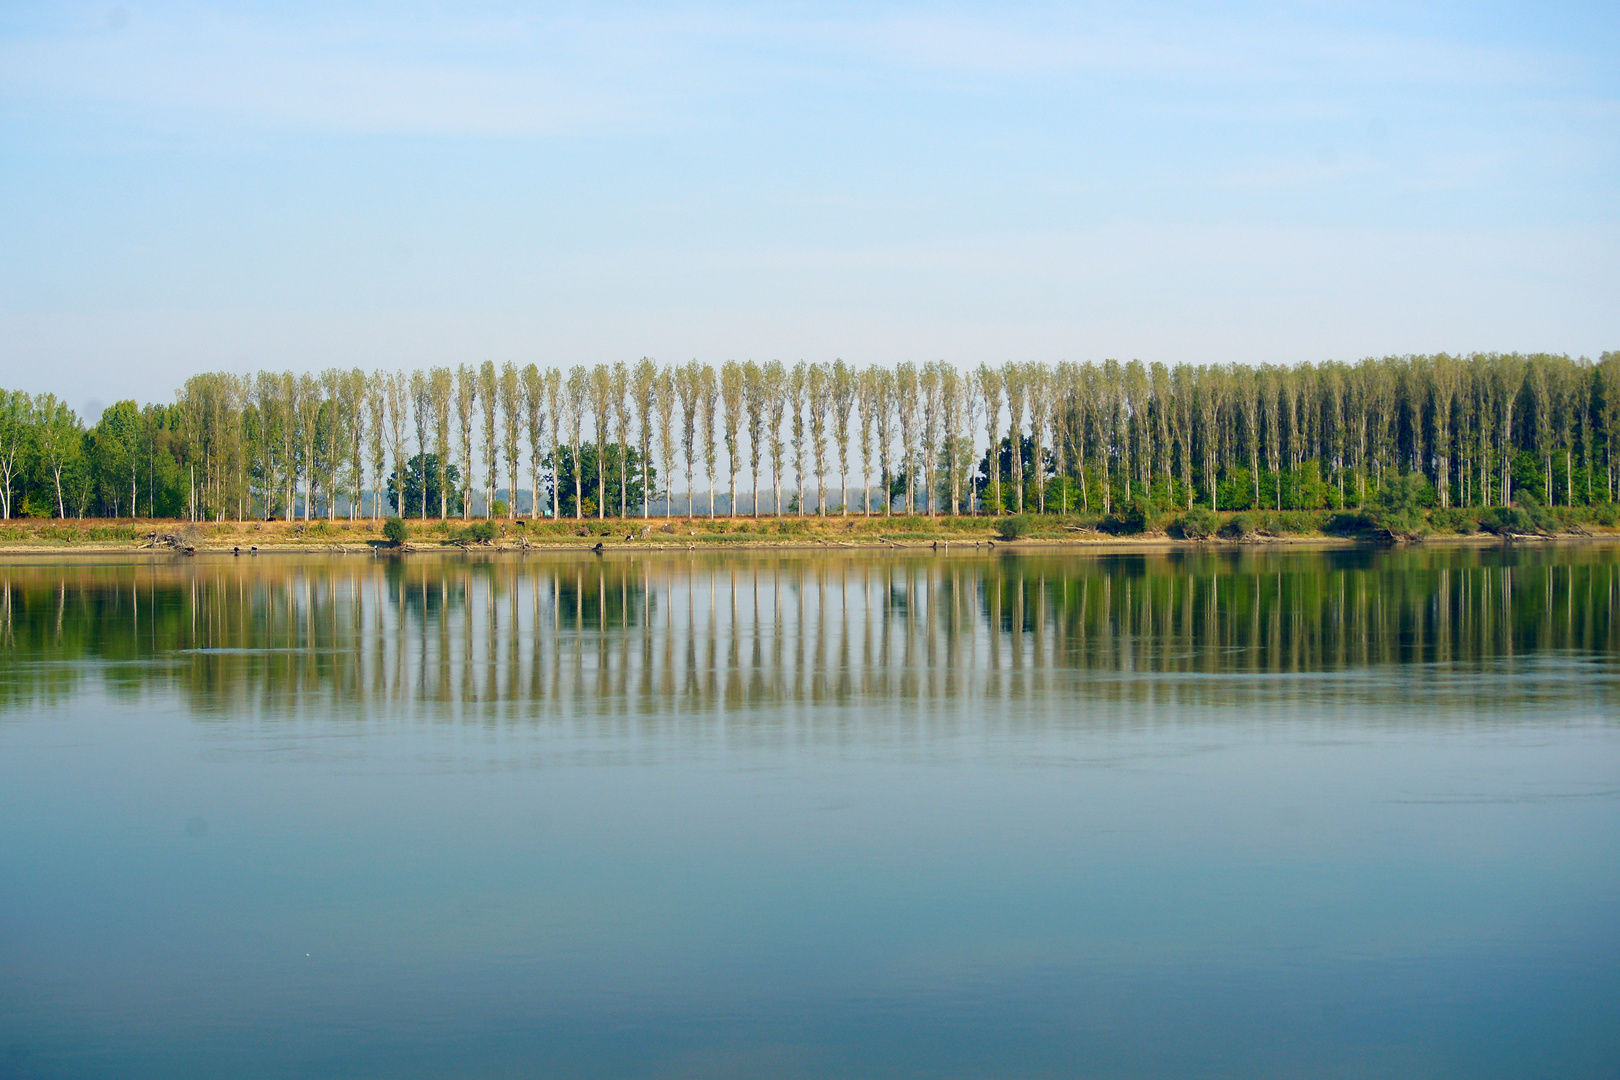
(1134, 524)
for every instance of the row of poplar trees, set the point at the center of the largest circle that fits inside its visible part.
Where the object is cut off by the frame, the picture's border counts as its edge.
(638, 438)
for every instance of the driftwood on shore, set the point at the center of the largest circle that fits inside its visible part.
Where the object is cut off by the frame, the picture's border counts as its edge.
(183, 541)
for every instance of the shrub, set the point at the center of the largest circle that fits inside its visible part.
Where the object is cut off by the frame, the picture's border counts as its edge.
(1238, 526)
(1399, 504)
(1605, 514)
(1503, 520)
(1133, 517)
(1346, 523)
(394, 531)
(1016, 527)
(1292, 522)
(1454, 520)
(1199, 523)
(1526, 517)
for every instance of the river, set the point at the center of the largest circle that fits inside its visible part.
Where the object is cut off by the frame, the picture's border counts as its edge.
(1253, 813)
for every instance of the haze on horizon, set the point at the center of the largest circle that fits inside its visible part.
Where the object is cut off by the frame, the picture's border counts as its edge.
(235, 186)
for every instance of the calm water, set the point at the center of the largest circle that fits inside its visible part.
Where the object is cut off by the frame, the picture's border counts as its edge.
(1248, 814)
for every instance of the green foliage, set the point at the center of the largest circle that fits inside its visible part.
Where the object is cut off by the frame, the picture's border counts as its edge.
(394, 531)
(1199, 523)
(1347, 523)
(1527, 517)
(1136, 516)
(479, 532)
(1293, 522)
(1017, 527)
(562, 464)
(415, 469)
(1322, 437)
(1399, 504)
(1454, 520)
(1238, 527)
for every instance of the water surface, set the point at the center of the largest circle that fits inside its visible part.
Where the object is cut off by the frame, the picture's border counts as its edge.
(1235, 814)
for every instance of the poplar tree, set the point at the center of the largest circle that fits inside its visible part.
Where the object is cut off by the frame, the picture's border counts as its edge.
(577, 391)
(466, 414)
(905, 400)
(797, 386)
(534, 416)
(866, 405)
(376, 439)
(620, 396)
(883, 390)
(844, 390)
(644, 388)
(441, 391)
(667, 396)
(422, 412)
(733, 394)
(556, 405)
(394, 392)
(928, 383)
(776, 397)
(1012, 380)
(819, 398)
(708, 393)
(511, 400)
(600, 390)
(988, 385)
(487, 390)
(756, 402)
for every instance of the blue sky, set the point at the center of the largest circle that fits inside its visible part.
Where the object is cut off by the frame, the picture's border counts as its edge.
(187, 187)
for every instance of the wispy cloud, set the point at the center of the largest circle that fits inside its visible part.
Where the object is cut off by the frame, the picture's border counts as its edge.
(602, 70)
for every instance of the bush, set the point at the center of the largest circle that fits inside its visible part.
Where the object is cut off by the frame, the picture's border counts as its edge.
(1016, 527)
(1605, 514)
(1527, 517)
(1136, 516)
(1346, 523)
(1454, 520)
(1399, 504)
(1199, 523)
(1238, 526)
(482, 531)
(394, 531)
(1292, 522)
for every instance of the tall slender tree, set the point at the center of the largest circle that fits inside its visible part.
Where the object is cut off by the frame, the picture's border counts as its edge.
(534, 415)
(466, 416)
(798, 384)
(510, 393)
(644, 388)
(733, 394)
(988, 384)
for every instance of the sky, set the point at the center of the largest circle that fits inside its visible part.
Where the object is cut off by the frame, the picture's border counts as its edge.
(189, 187)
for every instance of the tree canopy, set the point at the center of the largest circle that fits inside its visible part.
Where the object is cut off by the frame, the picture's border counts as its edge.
(643, 438)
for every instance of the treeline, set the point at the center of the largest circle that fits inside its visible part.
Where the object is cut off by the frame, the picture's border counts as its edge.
(638, 438)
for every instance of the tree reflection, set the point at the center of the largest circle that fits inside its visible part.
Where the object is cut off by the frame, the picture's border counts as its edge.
(707, 636)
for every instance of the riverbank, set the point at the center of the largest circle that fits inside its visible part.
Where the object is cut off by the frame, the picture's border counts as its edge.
(1244, 528)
